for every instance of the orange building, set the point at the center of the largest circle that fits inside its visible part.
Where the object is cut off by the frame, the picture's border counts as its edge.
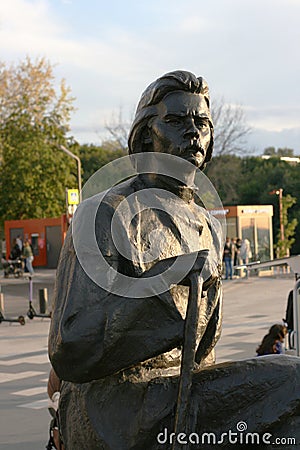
(45, 235)
(252, 222)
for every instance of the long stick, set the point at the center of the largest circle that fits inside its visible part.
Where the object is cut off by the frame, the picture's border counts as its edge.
(188, 357)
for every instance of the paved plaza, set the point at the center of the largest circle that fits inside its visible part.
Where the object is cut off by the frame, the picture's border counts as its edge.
(251, 306)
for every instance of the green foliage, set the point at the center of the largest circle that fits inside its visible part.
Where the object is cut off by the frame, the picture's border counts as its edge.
(285, 152)
(285, 245)
(259, 178)
(250, 180)
(224, 171)
(93, 157)
(34, 120)
(271, 151)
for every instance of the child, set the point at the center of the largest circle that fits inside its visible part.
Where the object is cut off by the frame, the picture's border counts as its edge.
(272, 342)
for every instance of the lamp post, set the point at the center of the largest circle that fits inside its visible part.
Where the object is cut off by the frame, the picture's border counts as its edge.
(279, 193)
(68, 152)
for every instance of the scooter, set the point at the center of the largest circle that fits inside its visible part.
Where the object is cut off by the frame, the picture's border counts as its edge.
(31, 313)
(20, 319)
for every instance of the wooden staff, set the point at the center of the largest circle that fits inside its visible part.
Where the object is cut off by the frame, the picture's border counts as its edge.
(189, 350)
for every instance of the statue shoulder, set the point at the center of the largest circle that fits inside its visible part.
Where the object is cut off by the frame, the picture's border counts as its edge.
(110, 198)
(216, 229)
(92, 222)
(213, 223)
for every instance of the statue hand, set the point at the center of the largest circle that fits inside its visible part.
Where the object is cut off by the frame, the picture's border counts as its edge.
(205, 266)
(201, 263)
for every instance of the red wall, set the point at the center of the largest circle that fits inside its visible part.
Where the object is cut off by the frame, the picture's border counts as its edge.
(31, 226)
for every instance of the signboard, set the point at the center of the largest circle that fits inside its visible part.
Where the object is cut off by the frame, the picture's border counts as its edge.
(73, 196)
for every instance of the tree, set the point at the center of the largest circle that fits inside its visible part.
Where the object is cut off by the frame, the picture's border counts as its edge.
(271, 151)
(93, 157)
(34, 121)
(249, 181)
(224, 172)
(284, 246)
(230, 127)
(259, 177)
(118, 130)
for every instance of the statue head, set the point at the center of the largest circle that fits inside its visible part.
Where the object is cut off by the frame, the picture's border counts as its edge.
(181, 84)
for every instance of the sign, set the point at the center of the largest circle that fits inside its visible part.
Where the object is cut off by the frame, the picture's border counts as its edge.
(73, 196)
(219, 212)
(255, 211)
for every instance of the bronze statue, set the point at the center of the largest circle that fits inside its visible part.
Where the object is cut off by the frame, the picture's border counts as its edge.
(136, 350)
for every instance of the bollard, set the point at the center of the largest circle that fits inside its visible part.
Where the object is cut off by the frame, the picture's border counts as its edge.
(43, 297)
(2, 303)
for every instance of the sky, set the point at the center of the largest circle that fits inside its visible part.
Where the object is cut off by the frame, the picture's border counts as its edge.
(110, 51)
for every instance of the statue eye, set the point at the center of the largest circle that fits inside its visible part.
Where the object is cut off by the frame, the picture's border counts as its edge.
(201, 123)
(174, 120)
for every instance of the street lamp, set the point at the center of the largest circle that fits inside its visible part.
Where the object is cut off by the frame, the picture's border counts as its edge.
(279, 193)
(64, 149)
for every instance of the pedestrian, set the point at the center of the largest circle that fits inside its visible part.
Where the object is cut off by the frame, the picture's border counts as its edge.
(234, 256)
(15, 252)
(19, 242)
(53, 388)
(289, 317)
(272, 342)
(245, 251)
(238, 244)
(3, 248)
(237, 255)
(28, 255)
(227, 258)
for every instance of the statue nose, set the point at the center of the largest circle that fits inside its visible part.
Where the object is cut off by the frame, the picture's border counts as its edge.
(191, 129)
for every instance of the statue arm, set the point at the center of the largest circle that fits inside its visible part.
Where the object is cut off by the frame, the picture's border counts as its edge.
(95, 333)
(211, 322)
(211, 304)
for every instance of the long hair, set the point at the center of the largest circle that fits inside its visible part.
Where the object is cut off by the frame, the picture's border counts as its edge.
(178, 80)
(276, 333)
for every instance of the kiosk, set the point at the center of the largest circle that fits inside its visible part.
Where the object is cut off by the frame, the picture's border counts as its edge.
(252, 222)
(45, 235)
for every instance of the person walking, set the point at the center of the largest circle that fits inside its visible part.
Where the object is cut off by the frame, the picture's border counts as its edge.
(28, 255)
(237, 256)
(227, 258)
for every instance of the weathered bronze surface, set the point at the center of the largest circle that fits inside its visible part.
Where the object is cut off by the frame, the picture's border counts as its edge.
(119, 356)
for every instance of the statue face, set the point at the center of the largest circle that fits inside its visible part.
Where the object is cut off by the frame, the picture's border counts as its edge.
(181, 127)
